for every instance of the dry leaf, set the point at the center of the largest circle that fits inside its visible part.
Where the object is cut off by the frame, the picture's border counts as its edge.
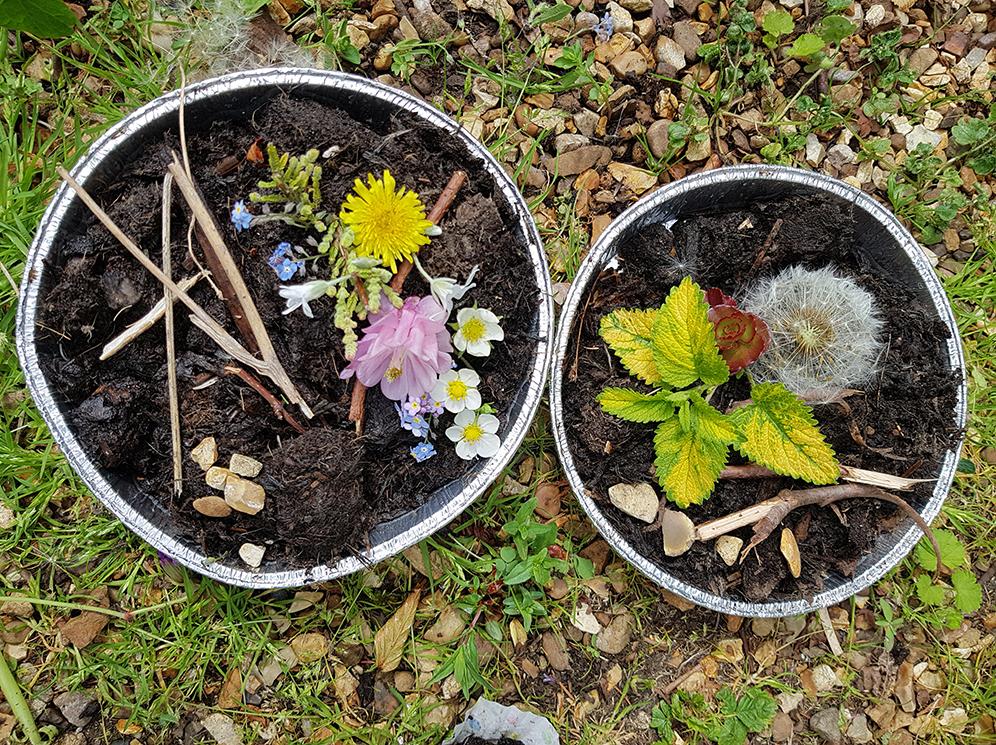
(389, 642)
(230, 696)
(790, 550)
(517, 631)
(81, 630)
(254, 154)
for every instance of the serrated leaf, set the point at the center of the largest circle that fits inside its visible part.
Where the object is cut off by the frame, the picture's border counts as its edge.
(778, 22)
(756, 709)
(968, 592)
(390, 639)
(684, 342)
(928, 592)
(634, 406)
(952, 551)
(690, 458)
(46, 19)
(629, 333)
(806, 45)
(779, 432)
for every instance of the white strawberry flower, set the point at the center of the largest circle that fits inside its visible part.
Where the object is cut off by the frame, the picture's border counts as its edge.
(476, 328)
(457, 390)
(474, 434)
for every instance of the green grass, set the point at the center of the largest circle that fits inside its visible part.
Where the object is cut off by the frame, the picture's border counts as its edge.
(172, 637)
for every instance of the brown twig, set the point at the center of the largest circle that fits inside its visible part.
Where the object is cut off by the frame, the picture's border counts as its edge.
(768, 243)
(200, 318)
(848, 473)
(233, 280)
(278, 408)
(358, 399)
(174, 395)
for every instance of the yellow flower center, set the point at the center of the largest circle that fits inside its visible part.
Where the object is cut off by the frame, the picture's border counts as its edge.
(393, 373)
(473, 330)
(473, 432)
(456, 390)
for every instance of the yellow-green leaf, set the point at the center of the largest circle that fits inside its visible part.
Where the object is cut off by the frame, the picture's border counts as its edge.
(779, 432)
(634, 406)
(684, 342)
(628, 332)
(690, 459)
(389, 641)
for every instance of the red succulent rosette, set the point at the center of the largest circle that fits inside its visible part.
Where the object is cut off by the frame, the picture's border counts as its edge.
(741, 337)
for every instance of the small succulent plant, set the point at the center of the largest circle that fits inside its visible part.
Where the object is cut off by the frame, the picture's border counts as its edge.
(740, 336)
(825, 332)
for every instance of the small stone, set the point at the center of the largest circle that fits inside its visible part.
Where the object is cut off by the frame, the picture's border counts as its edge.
(637, 6)
(686, 37)
(448, 626)
(614, 638)
(657, 138)
(580, 160)
(858, 731)
(921, 135)
(404, 681)
(555, 651)
(17, 607)
(699, 149)
(936, 76)
(814, 150)
(956, 42)
(622, 21)
(678, 532)
(309, 647)
(243, 465)
(629, 64)
(222, 729)
(921, 59)
(782, 727)
(636, 500)
(670, 53)
(557, 589)
(597, 552)
(953, 720)
(903, 689)
(252, 554)
(989, 456)
(212, 506)
(548, 500)
(585, 21)
(790, 550)
(586, 120)
(790, 700)
(244, 496)
(826, 723)
(205, 453)
(824, 678)
(728, 547)
(499, 10)
(7, 517)
(216, 477)
(77, 707)
(637, 180)
(874, 16)
(932, 119)
(585, 620)
(841, 155)
(564, 143)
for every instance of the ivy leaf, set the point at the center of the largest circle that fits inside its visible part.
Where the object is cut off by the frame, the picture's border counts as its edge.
(952, 551)
(834, 29)
(389, 641)
(928, 592)
(684, 343)
(629, 332)
(691, 455)
(806, 45)
(778, 22)
(46, 19)
(634, 406)
(970, 131)
(968, 593)
(779, 432)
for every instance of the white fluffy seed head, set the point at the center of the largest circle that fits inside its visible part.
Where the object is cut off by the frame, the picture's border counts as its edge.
(825, 332)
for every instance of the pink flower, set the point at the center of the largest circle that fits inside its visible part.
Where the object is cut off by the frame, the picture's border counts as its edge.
(403, 349)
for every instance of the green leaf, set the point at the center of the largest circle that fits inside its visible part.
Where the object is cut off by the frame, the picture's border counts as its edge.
(634, 406)
(684, 342)
(779, 432)
(778, 23)
(46, 19)
(730, 731)
(970, 131)
(548, 13)
(756, 709)
(968, 593)
(690, 458)
(628, 332)
(952, 551)
(834, 29)
(928, 592)
(806, 45)
(660, 720)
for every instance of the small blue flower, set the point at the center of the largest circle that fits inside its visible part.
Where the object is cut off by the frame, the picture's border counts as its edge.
(423, 451)
(288, 268)
(241, 217)
(412, 407)
(282, 250)
(416, 424)
(604, 28)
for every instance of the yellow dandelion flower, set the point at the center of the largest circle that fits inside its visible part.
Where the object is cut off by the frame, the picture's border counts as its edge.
(389, 225)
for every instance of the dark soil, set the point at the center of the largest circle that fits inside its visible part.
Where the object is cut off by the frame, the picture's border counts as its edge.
(475, 740)
(325, 489)
(903, 424)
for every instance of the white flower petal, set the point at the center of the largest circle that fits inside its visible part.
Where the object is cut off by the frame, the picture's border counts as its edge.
(464, 418)
(464, 315)
(479, 348)
(439, 391)
(494, 332)
(488, 445)
(455, 405)
(465, 450)
(488, 422)
(487, 316)
(473, 400)
(470, 377)
(459, 341)
(454, 433)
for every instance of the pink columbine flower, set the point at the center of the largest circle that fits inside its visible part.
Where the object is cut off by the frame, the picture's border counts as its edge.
(403, 349)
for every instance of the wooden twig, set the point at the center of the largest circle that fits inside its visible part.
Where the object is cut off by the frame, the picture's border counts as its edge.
(848, 473)
(233, 279)
(357, 402)
(769, 514)
(278, 408)
(200, 318)
(828, 630)
(143, 324)
(768, 243)
(174, 396)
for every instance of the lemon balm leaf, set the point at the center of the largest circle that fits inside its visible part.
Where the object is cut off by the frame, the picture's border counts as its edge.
(628, 331)
(634, 406)
(684, 342)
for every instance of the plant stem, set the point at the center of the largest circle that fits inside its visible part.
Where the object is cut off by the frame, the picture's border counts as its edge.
(12, 692)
